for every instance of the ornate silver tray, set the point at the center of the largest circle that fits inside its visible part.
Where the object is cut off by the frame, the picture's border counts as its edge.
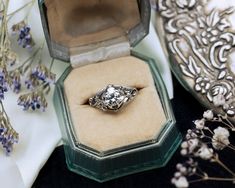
(199, 39)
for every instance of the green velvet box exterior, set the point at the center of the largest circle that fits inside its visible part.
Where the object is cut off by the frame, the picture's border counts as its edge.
(153, 154)
(131, 159)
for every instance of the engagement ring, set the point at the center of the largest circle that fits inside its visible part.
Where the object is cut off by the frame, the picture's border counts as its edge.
(113, 98)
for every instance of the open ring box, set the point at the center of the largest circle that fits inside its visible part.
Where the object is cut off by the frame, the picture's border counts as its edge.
(96, 37)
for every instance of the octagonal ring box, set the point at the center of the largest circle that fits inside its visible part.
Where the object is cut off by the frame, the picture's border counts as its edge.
(96, 37)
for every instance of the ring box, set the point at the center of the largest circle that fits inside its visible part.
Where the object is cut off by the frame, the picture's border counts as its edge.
(96, 37)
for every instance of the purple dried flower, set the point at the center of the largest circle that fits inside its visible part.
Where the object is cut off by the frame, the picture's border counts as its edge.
(24, 34)
(3, 81)
(32, 82)
(17, 87)
(25, 39)
(40, 75)
(44, 74)
(33, 101)
(16, 81)
(8, 137)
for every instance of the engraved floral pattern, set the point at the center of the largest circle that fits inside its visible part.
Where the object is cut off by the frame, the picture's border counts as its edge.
(185, 3)
(201, 43)
(202, 84)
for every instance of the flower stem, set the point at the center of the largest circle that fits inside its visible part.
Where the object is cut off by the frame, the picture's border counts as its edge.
(230, 123)
(7, 123)
(52, 62)
(30, 59)
(230, 146)
(19, 9)
(4, 25)
(207, 128)
(197, 180)
(218, 161)
(27, 15)
(221, 121)
(41, 50)
(211, 179)
(220, 179)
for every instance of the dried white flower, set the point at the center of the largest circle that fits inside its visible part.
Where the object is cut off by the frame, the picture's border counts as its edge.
(183, 152)
(191, 135)
(204, 153)
(177, 174)
(179, 165)
(220, 138)
(184, 145)
(192, 144)
(181, 182)
(183, 170)
(219, 100)
(200, 123)
(208, 115)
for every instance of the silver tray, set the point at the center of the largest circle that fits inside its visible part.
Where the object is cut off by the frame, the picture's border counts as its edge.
(199, 39)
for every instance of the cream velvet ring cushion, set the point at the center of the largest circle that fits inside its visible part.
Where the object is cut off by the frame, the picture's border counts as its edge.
(141, 120)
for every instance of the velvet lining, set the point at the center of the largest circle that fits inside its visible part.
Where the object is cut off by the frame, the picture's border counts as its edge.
(139, 121)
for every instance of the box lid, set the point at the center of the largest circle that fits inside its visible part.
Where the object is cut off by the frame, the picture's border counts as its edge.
(84, 32)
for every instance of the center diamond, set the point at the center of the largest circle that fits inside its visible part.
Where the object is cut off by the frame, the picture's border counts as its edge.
(113, 97)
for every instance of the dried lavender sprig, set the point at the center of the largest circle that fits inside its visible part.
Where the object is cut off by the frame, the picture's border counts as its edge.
(23, 30)
(6, 54)
(8, 136)
(17, 74)
(15, 81)
(34, 100)
(39, 81)
(40, 75)
(3, 80)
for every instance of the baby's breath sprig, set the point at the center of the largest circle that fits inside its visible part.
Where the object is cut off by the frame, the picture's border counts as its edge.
(204, 142)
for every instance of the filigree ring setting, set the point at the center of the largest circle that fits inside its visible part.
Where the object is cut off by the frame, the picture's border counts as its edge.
(113, 98)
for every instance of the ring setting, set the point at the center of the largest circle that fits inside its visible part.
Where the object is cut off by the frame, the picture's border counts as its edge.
(113, 98)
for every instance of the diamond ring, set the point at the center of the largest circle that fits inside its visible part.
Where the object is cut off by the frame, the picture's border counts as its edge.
(113, 98)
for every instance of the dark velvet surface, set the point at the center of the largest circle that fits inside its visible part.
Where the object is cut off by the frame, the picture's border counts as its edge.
(186, 109)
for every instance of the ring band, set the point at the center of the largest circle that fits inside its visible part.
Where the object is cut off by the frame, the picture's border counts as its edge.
(113, 98)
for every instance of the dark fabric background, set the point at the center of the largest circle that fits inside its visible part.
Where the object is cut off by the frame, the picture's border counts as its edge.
(186, 109)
